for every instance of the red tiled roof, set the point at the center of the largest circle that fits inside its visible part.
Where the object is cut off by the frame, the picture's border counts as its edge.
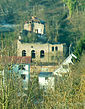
(15, 60)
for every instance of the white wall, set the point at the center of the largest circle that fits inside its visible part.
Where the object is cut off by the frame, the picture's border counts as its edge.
(26, 26)
(46, 83)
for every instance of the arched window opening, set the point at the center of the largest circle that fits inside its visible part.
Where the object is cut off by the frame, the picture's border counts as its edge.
(33, 53)
(56, 48)
(23, 76)
(42, 54)
(52, 48)
(23, 53)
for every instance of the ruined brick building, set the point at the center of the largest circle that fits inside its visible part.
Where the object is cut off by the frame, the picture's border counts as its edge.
(41, 52)
(35, 25)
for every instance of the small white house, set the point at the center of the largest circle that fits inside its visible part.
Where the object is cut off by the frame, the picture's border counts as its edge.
(23, 71)
(46, 80)
(64, 67)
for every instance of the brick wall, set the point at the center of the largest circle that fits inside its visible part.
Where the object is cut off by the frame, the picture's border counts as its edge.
(49, 55)
(37, 69)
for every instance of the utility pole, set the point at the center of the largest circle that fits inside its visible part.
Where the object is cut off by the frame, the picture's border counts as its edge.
(70, 49)
(48, 52)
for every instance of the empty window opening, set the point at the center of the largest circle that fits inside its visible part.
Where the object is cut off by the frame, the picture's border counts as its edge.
(42, 54)
(23, 53)
(31, 46)
(36, 30)
(52, 48)
(23, 76)
(46, 78)
(33, 53)
(56, 48)
(21, 67)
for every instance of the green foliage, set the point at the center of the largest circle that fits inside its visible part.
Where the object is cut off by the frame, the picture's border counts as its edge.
(80, 47)
(11, 90)
(71, 5)
(30, 38)
(66, 35)
(59, 27)
(8, 44)
(74, 5)
(68, 93)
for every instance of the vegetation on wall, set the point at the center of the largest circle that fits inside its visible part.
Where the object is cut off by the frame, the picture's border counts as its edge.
(64, 18)
(65, 23)
(68, 93)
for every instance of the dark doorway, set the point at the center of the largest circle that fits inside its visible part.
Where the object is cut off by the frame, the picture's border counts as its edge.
(42, 54)
(56, 48)
(52, 48)
(23, 53)
(33, 53)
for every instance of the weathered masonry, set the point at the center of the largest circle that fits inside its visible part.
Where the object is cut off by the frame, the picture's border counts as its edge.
(41, 52)
(35, 25)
